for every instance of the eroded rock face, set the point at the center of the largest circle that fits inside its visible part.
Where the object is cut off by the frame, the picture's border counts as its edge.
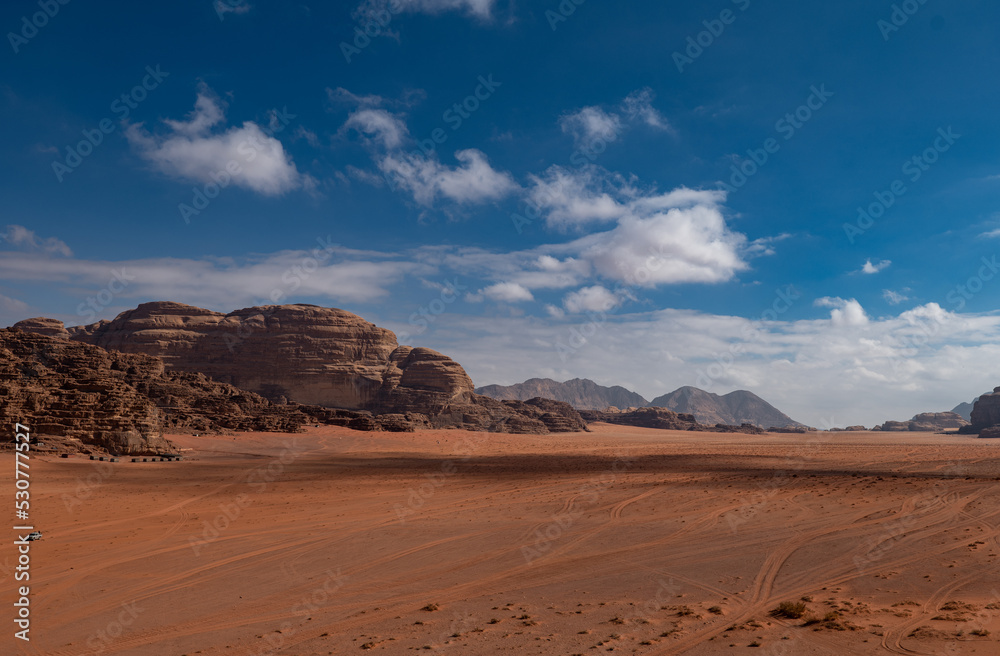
(119, 401)
(44, 326)
(927, 422)
(558, 416)
(314, 356)
(656, 417)
(986, 411)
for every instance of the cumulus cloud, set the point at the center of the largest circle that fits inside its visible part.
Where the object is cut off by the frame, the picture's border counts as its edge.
(590, 194)
(424, 176)
(875, 268)
(845, 312)
(591, 299)
(572, 198)
(26, 240)
(472, 181)
(192, 151)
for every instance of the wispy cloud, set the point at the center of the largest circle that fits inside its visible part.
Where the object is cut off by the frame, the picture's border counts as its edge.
(26, 240)
(894, 298)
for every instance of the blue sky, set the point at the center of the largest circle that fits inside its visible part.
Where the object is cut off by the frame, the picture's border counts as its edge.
(537, 189)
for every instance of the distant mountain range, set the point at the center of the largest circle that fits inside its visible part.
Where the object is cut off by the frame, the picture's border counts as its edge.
(734, 408)
(581, 393)
(965, 409)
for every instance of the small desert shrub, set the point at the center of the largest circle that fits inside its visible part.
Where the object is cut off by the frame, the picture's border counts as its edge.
(793, 610)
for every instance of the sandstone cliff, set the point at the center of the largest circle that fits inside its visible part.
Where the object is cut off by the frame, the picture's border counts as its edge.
(655, 417)
(324, 358)
(117, 401)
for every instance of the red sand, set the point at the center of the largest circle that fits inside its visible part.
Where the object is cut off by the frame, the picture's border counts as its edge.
(627, 540)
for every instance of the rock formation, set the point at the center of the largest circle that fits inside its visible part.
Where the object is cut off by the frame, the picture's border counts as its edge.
(985, 416)
(664, 419)
(735, 408)
(926, 422)
(558, 417)
(581, 393)
(324, 358)
(119, 402)
(965, 409)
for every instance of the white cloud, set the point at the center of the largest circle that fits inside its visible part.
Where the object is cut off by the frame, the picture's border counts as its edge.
(423, 176)
(340, 275)
(385, 128)
(473, 181)
(591, 299)
(191, 151)
(814, 371)
(571, 198)
(373, 9)
(342, 95)
(653, 247)
(844, 312)
(638, 105)
(26, 240)
(591, 194)
(223, 7)
(894, 298)
(875, 268)
(589, 124)
(592, 124)
(507, 292)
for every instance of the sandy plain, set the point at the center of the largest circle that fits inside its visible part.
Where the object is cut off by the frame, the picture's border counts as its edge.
(622, 540)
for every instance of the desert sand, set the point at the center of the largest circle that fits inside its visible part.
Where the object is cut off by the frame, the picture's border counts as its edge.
(629, 540)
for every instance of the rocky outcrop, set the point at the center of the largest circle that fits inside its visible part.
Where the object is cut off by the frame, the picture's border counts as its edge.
(117, 401)
(985, 416)
(44, 326)
(558, 417)
(735, 408)
(308, 354)
(581, 393)
(926, 422)
(665, 420)
(325, 358)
